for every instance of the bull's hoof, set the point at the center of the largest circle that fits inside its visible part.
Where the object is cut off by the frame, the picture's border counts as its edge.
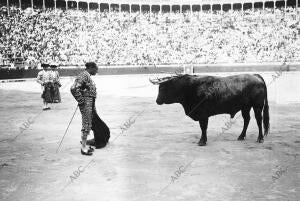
(260, 140)
(201, 143)
(241, 138)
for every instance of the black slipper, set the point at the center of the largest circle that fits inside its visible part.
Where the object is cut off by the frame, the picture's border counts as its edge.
(91, 149)
(88, 153)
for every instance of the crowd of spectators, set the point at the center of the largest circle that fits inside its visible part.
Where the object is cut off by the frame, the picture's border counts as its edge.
(119, 38)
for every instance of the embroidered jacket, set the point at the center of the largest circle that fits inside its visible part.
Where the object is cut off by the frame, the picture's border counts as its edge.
(43, 77)
(83, 86)
(54, 76)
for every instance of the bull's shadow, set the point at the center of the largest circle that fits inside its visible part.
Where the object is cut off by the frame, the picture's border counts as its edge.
(205, 96)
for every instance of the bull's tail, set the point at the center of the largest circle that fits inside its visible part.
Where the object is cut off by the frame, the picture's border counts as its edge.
(266, 116)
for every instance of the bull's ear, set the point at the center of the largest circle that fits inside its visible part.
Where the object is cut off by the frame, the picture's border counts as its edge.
(155, 82)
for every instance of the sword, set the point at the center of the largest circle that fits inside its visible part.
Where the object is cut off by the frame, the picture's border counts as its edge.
(66, 130)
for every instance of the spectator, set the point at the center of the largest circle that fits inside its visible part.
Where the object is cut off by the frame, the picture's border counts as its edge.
(74, 37)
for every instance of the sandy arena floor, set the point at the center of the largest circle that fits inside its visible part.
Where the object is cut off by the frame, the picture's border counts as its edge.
(156, 158)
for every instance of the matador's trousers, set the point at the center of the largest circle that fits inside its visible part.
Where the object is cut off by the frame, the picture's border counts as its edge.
(87, 110)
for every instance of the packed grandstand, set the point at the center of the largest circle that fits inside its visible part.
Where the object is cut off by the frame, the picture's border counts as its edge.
(72, 37)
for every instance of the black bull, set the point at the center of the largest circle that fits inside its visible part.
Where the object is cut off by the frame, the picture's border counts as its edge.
(205, 96)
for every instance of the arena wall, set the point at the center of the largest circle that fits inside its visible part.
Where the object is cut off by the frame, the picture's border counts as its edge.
(110, 5)
(7, 74)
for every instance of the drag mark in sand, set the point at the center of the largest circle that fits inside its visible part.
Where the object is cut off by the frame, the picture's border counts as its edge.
(76, 173)
(3, 165)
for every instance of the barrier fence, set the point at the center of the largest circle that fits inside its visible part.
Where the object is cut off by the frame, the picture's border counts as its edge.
(160, 69)
(151, 5)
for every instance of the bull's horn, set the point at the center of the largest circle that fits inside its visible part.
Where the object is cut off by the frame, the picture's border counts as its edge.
(153, 81)
(178, 73)
(160, 80)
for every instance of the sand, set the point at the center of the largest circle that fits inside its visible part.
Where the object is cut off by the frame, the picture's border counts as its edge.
(156, 158)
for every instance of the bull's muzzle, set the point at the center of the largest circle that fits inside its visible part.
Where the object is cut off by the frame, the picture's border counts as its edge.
(159, 102)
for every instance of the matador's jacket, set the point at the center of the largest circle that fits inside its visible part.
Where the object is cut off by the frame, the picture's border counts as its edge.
(85, 93)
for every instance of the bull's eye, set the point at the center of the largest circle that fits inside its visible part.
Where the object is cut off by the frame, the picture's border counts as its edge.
(162, 88)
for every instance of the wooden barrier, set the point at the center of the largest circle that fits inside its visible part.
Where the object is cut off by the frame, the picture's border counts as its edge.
(161, 69)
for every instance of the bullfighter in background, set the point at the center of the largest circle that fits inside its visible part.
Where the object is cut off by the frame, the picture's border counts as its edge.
(44, 79)
(56, 83)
